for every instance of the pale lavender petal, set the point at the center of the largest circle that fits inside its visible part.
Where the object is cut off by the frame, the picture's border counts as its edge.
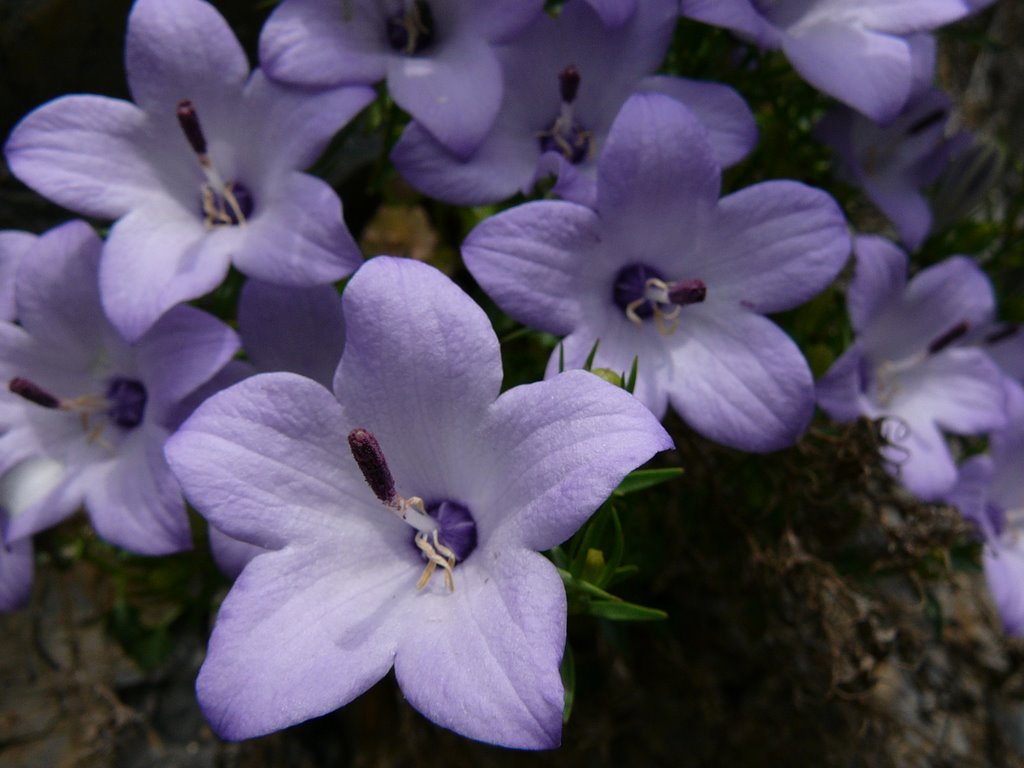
(737, 15)
(134, 500)
(181, 50)
(37, 494)
(502, 21)
(284, 328)
(614, 13)
(919, 457)
(503, 165)
(903, 205)
(231, 555)
(295, 125)
(1006, 443)
(245, 453)
(923, 50)
(558, 464)
(504, 624)
(838, 392)
(299, 238)
(17, 568)
(773, 246)
(867, 70)
(12, 245)
(85, 153)
(1004, 572)
(312, 43)
(879, 278)
(454, 94)
(740, 380)
(182, 351)
(304, 631)
(527, 259)
(57, 295)
(731, 127)
(902, 17)
(971, 492)
(155, 258)
(658, 174)
(413, 337)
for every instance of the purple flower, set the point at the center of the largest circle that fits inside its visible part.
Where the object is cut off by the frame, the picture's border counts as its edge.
(990, 492)
(907, 365)
(83, 415)
(201, 172)
(12, 245)
(665, 272)
(17, 569)
(894, 162)
(854, 50)
(566, 79)
(437, 55)
(416, 544)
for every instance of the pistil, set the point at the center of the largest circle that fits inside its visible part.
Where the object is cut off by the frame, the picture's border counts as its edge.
(567, 135)
(641, 292)
(123, 403)
(223, 203)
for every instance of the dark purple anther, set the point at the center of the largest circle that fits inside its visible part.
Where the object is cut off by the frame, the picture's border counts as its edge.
(1008, 330)
(456, 528)
(127, 398)
(370, 458)
(687, 292)
(948, 337)
(189, 122)
(33, 393)
(569, 83)
(631, 284)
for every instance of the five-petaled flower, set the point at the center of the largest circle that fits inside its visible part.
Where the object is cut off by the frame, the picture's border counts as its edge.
(201, 172)
(403, 519)
(665, 272)
(909, 366)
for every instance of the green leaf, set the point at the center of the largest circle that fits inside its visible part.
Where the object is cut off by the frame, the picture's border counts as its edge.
(640, 479)
(623, 611)
(568, 673)
(590, 358)
(630, 384)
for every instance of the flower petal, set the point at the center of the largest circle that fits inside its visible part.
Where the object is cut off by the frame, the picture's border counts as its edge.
(12, 245)
(740, 381)
(773, 246)
(919, 457)
(904, 206)
(970, 495)
(838, 392)
(563, 446)
(299, 237)
(17, 568)
(304, 631)
(879, 278)
(1004, 572)
(503, 624)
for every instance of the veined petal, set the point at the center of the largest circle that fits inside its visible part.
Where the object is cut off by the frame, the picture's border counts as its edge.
(178, 50)
(971, 493)
(899, 17)
(879, 278)
(906, 207)
(614, 13)
(559, 463)
(528, 259)
(838, 392)
(299, 237)
(420, 367)
(17, 567)
(12, 245)
(737, 15)
(504, 623)
(919, 457)
(740, 380)
(231, 555)
(86, 153)
(304, 631)
(773, 246)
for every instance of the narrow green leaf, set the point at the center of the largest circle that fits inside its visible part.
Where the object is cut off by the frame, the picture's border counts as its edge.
(590, 358)
(622, 611)
(631, 381)
(646, 478)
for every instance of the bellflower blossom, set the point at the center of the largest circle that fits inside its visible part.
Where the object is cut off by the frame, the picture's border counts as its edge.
(907, 365)
(415, 545)
(665, 272)
(17, 568)
(12, 245)
(200, 172)
(990, 492)
(855, 50)
(892, 163)
(566, 80)
(437, 55)
(283, 328)
(83, 415)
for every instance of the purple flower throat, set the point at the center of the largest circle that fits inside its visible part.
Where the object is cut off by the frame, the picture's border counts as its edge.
(445, 530)
(221, 203)
(410, 30)
(566, 135)
(123, 403)
(642, 292)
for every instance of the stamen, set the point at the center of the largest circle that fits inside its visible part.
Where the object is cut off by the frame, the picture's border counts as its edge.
(687, 292)
(411, 30)
(948, 337)
(189, 122)
(569, 82)
(33, 393)
(220, 204)
(566, 135)
(1007, 331)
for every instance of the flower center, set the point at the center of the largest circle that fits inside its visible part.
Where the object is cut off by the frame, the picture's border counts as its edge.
(888, 374)
(445, 531)
(221, 203)
(411, 29)
(123, 403)
(641, 292)
(566, 135)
